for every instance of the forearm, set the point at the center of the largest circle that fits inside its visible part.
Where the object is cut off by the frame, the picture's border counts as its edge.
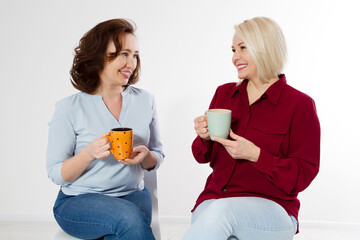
(149, 161)
(73, 167)
(290, 174)
(201, 149)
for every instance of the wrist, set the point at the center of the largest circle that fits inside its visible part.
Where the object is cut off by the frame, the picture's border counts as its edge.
(149, 161)
(255, 155)
(87, 155)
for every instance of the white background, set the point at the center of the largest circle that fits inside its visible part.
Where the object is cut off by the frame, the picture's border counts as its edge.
(185, 48)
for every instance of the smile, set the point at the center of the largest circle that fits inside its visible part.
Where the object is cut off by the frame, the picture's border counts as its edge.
(241, 67)
(125, 74)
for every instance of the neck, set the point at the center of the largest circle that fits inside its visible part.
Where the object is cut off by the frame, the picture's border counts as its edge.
(110, 92)
(257, 87)
(261, 85)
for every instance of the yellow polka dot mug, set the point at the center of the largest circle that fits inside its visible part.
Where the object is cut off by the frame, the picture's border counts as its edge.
(121, 140)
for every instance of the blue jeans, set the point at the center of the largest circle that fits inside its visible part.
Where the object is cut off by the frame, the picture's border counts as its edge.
(243, 218)
(94, 216)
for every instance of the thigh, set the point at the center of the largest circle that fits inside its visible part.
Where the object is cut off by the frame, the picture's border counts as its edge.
(200, 209)
(258, 218)
(142, 199)
(91, 216)
(242, 218)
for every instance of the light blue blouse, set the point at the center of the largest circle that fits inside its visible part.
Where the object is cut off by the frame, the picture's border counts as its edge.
(81, 118)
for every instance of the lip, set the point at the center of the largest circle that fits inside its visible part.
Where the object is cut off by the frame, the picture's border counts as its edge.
(125, 74)
(240, 67)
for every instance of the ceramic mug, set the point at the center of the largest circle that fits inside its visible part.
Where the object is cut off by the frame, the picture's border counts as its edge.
(218, 121)
(121, 140)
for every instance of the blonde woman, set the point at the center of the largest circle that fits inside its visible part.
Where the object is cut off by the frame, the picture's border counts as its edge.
(272, 152)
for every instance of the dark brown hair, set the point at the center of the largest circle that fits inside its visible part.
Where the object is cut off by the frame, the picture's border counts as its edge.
(90, 55)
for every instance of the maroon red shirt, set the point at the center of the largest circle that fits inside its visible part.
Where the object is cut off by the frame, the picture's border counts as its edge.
(283, 123)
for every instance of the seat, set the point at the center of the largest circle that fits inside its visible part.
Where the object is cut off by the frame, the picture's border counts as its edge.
(150, 180)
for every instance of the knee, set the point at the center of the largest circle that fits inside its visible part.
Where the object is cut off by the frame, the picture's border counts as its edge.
(217, 214)
(131, 221)
(135, 226)
(213, 216)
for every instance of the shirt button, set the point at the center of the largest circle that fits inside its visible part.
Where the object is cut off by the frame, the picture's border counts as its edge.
(224, 189)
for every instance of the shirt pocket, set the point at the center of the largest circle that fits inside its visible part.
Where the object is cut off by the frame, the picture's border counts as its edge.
(270, 138)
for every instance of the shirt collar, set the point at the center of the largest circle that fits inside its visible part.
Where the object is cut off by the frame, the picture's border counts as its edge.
(240, 87)
(127, 91)
(273, 92)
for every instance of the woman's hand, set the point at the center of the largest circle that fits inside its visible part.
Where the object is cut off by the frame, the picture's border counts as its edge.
(200, 126)
(239, 148)
(73, 167)
(99, 148)
(138, 154)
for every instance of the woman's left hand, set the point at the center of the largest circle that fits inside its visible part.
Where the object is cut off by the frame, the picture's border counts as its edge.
(239, 148)
(137, 156)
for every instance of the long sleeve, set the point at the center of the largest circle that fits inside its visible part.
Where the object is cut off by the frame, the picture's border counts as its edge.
(294, 172)
(283, 123)
(155, 145)
(202, 148)
(81, 118)
(61, 143)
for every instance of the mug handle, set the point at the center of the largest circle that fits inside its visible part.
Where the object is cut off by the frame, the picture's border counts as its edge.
(111, 149)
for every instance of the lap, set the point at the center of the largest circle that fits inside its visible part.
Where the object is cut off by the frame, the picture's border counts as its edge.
(241, 217)
(95, 215)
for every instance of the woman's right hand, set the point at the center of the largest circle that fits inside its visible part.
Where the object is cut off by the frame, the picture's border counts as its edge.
(73, 167)
(99, 148)
(200, 126)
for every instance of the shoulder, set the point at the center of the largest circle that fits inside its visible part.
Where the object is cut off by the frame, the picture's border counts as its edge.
(297, 100)
(230, 85)
(139, 92)
(74, 101)
(69, 100)
(227, 87)
(296, 95)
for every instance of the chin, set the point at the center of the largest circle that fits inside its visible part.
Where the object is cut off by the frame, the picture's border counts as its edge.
(242, 76)
(123, 82)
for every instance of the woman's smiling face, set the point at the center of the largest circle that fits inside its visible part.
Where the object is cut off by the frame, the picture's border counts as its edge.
(118, 71)
(242, 60)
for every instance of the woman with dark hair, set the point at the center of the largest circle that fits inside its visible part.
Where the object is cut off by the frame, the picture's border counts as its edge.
(101, 196)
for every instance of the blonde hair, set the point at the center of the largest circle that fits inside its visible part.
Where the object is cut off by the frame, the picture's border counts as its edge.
(266, 45)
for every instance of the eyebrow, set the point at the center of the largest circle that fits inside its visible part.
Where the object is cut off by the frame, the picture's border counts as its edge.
(128, 50)
(238, 44)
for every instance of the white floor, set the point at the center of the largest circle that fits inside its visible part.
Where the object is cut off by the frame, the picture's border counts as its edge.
(170, 230)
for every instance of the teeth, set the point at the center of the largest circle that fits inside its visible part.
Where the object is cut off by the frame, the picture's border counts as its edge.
(241, 66)
(126, 73)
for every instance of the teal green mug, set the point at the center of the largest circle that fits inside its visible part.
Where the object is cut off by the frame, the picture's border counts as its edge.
(218, 121)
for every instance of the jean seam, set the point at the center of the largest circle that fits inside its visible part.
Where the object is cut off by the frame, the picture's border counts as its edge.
(80, 222)
(266, 230)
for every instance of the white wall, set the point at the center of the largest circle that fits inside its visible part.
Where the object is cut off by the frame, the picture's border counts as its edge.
(185, 51)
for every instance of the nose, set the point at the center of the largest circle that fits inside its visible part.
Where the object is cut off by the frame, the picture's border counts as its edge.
(236, 56)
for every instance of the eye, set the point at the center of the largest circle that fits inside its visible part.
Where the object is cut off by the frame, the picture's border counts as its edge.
(125, 54)
(233, 50)
(111, 55)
